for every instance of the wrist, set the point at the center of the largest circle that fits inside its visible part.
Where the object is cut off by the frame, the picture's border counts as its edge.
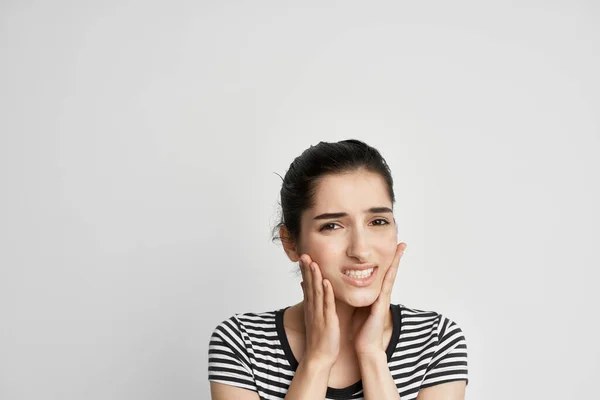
(317, 365)
(378, 382)
(369, 348)
(310, 380)
(371, 357)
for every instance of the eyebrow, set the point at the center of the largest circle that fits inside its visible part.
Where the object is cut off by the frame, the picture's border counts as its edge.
(372, 210)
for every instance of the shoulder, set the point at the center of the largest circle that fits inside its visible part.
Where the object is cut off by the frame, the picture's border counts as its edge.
(242, 324)
(427, 320)
(431, 328)
(231, 356)
(441, 342)
(234, 336)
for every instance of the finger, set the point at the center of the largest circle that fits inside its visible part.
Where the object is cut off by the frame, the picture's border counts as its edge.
(317, 289)
(400, 247)
(329, 306)
(301, 267)
(304, 263)
(308, 282)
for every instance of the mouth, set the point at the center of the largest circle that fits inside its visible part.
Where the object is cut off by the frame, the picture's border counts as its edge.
(360, 277)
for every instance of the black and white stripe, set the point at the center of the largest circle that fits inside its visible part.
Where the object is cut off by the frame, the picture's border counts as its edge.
(251, 351)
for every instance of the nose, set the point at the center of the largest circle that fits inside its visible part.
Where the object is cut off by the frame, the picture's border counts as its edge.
(358, 246)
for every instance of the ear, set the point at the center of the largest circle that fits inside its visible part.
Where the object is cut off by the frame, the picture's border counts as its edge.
(288, 244)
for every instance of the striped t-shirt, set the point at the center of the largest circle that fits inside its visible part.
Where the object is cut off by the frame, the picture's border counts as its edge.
(251, 351)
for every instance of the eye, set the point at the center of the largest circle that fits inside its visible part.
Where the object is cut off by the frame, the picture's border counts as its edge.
(328, 226)
(382, 222)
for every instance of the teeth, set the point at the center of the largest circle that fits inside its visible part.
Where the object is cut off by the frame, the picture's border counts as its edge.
(359, 274)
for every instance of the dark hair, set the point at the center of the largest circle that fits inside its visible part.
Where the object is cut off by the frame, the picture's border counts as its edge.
(300, 181)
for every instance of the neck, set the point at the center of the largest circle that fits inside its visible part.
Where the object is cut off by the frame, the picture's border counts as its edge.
(350, 318)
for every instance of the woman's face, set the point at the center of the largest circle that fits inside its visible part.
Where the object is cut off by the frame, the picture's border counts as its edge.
(351, 226)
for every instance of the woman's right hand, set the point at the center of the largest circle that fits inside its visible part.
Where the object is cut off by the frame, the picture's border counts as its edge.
(320, 318)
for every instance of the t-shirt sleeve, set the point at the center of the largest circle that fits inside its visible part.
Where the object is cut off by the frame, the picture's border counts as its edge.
(228, 360)
(449, 361)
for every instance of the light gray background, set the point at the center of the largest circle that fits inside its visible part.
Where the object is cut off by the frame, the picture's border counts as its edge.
(139, 143)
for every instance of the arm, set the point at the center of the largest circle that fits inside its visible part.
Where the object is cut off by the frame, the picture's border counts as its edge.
(310, 381)
(379, 384)
(445, 391)
(221, 391)
(229, 369)
(446, 376)
(322, 335)
(372, 358)
(377, 379)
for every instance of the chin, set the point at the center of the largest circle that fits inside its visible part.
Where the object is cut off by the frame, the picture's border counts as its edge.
(364, 299)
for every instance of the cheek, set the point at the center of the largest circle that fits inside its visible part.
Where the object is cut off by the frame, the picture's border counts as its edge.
(325, 253)
(388, 251)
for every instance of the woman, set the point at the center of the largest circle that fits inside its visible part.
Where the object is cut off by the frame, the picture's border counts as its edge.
(344, 340)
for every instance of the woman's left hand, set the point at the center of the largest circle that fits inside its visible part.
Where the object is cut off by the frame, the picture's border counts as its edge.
(369, 336)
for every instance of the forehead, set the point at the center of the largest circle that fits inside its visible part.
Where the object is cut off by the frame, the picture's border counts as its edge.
(353, 191)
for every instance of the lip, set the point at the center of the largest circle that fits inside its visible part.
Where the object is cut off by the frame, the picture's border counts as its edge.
(359, 267)
(361, 282)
